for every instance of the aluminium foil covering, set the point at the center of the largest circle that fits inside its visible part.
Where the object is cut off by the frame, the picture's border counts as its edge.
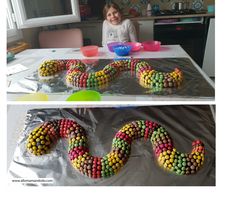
(194, 85)
(184, 123)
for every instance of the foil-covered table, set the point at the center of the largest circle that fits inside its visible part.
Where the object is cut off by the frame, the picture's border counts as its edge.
(184, 124)
(194, 85)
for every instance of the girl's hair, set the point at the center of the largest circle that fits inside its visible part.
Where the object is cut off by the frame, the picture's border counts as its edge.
(108, 6)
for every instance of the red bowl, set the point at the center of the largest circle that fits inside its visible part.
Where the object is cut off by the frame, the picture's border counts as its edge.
(135, 46)
(151, 45)
(90, 50)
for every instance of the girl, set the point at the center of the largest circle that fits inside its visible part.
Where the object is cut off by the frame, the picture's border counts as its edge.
(115, 29)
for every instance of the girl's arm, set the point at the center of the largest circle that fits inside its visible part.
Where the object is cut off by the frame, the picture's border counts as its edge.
(104, 31)
(132, 32)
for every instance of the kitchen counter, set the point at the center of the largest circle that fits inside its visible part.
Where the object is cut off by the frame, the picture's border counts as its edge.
(172, 16)
(94, 20)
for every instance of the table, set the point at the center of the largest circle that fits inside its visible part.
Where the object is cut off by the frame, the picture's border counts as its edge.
(32, 58)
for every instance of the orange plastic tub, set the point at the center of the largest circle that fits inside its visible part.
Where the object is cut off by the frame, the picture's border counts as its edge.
(90, 50)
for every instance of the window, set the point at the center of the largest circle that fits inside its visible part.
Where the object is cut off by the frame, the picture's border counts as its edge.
(36, 13)
(13, 33)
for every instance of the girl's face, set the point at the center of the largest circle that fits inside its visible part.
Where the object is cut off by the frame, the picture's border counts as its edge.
(113, 16)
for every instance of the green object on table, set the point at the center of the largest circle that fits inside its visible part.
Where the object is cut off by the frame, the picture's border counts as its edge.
(10, 56)
(85, 95)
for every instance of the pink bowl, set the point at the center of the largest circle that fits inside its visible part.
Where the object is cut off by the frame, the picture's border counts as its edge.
(151, 45)
(89, 51)
(136, 46)
(112, 44)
